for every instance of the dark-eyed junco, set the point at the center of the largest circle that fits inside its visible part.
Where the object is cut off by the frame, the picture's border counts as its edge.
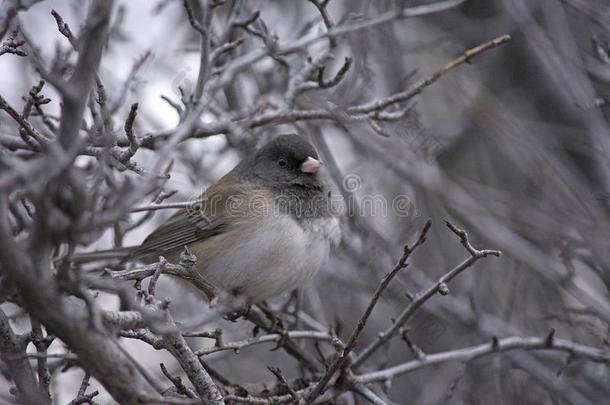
(262, 230)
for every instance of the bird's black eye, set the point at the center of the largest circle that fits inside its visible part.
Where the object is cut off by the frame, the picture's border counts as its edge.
(282, 162)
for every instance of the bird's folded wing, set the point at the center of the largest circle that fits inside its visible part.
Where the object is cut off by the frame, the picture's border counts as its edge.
(221, 207)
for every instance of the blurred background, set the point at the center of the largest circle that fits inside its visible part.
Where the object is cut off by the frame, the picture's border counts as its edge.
(513, 147)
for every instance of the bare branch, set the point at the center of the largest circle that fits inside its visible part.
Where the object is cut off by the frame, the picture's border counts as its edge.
(270, 338)
(204, 385)
(82, 397)
(185, 270)
(323, 84)
(216, 334)
(134, 142)
(373, 111)
(192, 19)
(418, 353)
(42, 343)
(367, 393)
(177, 381)
(224, 49)
(341, 360)
(64, 28)
(67, 182)
(99, 354)
(155, 207)
(81, 81)
(12, 351)
(282, 381)
(295, 46)
(8, 11)
(160, 268)
(125, 319)
(277, 399)
(25, 125)
(422, 84)
(321, 6)
(496, 346)
(36, 100)
(12, 45)
(202, 25)
(423, 296)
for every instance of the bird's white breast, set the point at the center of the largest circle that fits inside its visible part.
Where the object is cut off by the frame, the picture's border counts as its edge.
(275, 256)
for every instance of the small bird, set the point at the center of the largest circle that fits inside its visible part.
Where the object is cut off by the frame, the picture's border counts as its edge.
(262, 230)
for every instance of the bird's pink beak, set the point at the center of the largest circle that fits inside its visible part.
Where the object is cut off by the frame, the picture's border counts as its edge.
(311, 165)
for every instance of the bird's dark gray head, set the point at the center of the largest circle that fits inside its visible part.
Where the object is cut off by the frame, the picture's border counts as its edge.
(287, 160)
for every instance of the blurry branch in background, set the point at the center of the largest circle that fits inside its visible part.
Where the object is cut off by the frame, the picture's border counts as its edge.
(8, 11)
(373, 112)
(594, 11)
(50, 206)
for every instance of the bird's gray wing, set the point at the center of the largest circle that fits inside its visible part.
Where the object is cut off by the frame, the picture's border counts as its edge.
(206, 218)
(184, 228)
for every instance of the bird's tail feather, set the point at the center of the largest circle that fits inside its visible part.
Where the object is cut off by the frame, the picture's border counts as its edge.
(103, 255)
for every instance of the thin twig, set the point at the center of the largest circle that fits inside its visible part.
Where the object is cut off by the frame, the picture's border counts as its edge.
(277, 399)
(82, 397)
(236, 346)
(422, 297)
(152, 284)
(154, 207)
(302, 356)
(247, 60)
(23, 123)
(42, 344)
(134, 142)
(282, 381)
(12, 45)
(341, 360)
(324, 84)
(367, 393)
(177, 381)
(64, 29)
(321, 5)
(216, 334)
(416, 89)
(203, 26)
(192, 19)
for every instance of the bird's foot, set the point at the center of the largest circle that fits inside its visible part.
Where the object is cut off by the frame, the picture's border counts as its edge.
(284, 336)
(235, 315)
(277, 325)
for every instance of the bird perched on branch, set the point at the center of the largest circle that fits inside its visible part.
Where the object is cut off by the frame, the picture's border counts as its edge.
(262, 230)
